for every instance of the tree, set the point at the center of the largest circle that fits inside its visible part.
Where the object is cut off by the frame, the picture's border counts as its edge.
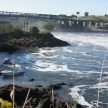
(73, 16)
(34, 30)
(105, 15)
(86, 13)
(78, 13)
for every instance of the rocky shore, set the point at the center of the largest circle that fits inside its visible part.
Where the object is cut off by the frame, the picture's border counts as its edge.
(11, 42)
(39, 97)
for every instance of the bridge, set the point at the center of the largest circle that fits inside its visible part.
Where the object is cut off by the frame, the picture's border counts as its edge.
(26, 20)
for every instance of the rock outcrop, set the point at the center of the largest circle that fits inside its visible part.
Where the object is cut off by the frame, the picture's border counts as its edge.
(13, 42)
(39, 97)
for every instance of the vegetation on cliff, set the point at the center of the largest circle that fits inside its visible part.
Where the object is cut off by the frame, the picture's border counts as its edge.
(6, 28)
(18, 39)
(39, 97)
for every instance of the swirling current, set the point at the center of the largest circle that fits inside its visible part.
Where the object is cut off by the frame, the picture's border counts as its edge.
(79, 65)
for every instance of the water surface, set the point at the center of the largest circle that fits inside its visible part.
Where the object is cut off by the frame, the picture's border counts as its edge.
(78, 64)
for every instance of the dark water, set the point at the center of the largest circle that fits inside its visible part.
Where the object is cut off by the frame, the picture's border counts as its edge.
(78, 64)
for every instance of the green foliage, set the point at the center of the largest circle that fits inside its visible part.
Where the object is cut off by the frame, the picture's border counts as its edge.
(5, 104)
(6, 28)
(93, 17)
(33, 31)
(86, 13)
(48, 27)
(78, 13)
(73, 16)
(18, 32)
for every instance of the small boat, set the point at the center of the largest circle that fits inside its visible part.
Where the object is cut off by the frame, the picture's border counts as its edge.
(15, 66)
(8, 74)
(8, 64)
(9, 69)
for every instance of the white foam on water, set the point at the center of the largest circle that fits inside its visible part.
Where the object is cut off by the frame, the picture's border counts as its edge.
(26, 58)
(49, 66)
(64, 57)
(83, 53)
(103, 85)
(41, 55)
(79, 72)
(78, 97)
(45, 53)
(63, 74)
(46, 66)
(91, 38)
(47, 50)
(38, 54)
(66, 49)
(48, 56)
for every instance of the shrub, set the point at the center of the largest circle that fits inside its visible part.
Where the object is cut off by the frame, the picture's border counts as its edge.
(6, 28)
(5, 104)
(18, 33)
(33, 31)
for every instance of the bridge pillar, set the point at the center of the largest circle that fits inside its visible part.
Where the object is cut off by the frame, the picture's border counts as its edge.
(80, 25)
(90, 25)
(101, 24)
(77, 25)
(26, 26)
(70, 23)
(84, 24)
(62, 22)
(67, 23)
(96, 24)
(87, 24)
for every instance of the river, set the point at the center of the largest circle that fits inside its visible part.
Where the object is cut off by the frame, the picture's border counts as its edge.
(79, 65)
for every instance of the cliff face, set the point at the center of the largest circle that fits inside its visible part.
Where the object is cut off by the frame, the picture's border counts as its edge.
(11, 42)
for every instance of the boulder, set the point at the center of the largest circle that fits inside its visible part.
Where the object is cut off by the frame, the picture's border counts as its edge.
(8, 48)
(55, 86)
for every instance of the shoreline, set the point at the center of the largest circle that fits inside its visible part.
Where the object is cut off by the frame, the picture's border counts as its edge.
(43, 96)
(14, 43)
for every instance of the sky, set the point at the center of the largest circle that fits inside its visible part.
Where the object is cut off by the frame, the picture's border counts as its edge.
(68, 7)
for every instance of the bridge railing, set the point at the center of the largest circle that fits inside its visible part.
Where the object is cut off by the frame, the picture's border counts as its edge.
(36, 15)
(49, 16)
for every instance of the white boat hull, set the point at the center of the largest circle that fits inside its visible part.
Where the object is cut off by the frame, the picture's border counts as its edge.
(11, 74)
(7, 69)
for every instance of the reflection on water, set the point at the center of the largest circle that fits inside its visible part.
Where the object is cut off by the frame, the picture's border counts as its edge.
(78, 64)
